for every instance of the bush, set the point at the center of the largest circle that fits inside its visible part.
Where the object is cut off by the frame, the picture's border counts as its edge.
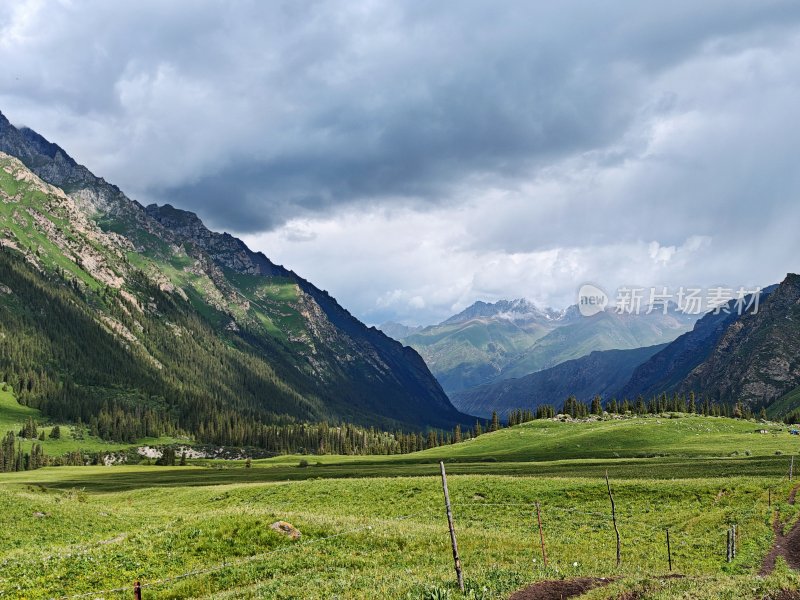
(303, 463)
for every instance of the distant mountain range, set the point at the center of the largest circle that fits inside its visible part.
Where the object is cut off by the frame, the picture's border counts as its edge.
(489, 342)
(600, 372)
(185, 322)
(752, 358)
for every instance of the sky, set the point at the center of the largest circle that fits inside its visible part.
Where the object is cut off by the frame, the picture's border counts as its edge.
(414, 157)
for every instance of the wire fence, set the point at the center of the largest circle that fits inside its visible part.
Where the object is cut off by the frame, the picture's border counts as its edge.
(632, 519)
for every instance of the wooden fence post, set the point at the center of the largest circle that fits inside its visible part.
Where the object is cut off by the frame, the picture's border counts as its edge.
(137, 591)
(453, 542)
(541, 534)
(728, 545)
(733, 541)
(669, 552)
(614, 519)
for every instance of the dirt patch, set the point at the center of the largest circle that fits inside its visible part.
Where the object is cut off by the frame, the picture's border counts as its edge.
(559, 589)
(787, 546)
(784, 595)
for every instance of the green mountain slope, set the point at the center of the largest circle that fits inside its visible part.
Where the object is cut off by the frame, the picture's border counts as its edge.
(667, 369)
(751, 358)
(468, 353)
(149, 311)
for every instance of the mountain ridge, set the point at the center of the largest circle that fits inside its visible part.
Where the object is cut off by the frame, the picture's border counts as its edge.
(242, 293)
(598, 373)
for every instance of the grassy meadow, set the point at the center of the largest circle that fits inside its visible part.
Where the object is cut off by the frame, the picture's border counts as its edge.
(374, 527)
(13, 415)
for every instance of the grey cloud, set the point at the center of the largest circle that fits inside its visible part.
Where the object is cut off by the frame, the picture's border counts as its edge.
(513, 128)
(318, 105)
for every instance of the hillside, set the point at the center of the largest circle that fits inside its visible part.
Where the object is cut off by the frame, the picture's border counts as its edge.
(729, 358)
(687, 436)
(147, 310)
(757, 359)
(668, 368)
(599, 373)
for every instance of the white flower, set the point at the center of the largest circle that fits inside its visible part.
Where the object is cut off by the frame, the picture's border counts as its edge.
(574, 564)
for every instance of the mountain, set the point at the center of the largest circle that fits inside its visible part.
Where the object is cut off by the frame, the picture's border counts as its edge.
(757, 359)
(187, 325)
(508, 339)
(753, 358)
(473, 347)
(606, 330)
(519, 311)
(668, 368)
(600, 372)
(398, 331)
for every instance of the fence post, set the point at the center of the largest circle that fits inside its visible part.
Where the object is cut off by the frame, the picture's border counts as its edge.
(453, 542)
(137, 591)
(733, 541)
(541, 534)
(614, 518)
(669, 551)
(729, 549)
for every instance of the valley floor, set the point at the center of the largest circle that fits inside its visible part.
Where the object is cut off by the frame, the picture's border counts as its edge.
(376, 528)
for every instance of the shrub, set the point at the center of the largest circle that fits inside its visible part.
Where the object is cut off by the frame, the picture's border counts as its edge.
(303, 463)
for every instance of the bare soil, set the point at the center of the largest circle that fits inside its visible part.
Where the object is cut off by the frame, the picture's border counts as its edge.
(787, 546)
(559, 589)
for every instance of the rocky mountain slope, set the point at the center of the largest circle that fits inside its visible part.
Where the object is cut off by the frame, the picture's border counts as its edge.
(753, 358)
(757, 359)
(155, 282)
(600, 372)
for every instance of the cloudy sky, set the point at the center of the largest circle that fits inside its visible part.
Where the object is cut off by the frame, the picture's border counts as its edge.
(413, 157)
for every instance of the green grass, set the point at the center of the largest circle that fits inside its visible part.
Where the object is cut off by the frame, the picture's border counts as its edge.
(104, 527)
(786, 403)
(13, 415)
(684, 436)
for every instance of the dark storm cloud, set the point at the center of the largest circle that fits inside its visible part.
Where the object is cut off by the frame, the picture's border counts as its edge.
(254, 113)
(414, 156)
